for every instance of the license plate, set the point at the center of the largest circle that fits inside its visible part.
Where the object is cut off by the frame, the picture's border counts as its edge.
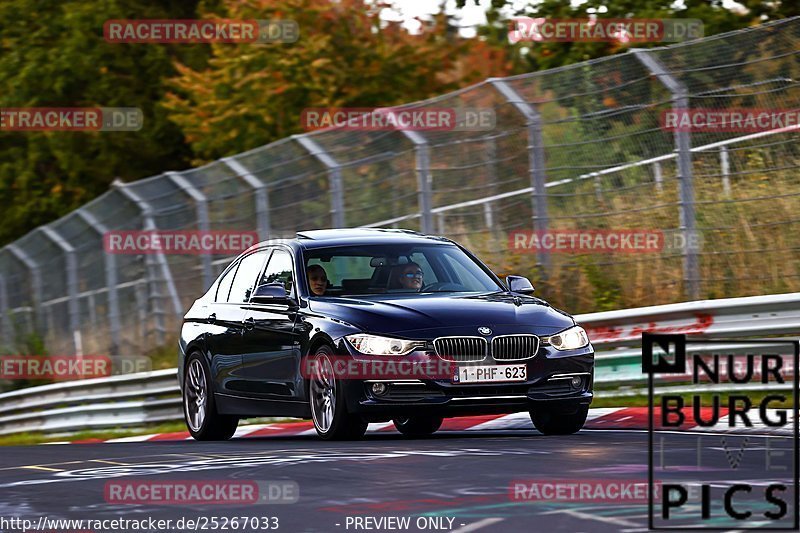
(491, 374)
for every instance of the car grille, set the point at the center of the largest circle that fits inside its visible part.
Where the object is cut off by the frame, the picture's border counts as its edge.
(461, 349)
(514, 347)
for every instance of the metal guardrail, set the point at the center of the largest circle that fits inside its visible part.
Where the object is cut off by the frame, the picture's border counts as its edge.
(117, 401)
(136, 399)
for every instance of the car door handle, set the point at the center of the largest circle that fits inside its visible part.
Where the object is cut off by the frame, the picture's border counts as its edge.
(249, 323)
(212, 318)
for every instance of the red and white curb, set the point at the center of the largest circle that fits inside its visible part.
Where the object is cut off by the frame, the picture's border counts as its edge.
(601, 418)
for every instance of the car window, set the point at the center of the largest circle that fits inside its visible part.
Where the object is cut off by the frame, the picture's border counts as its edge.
(341, 267)
(462, 275)
(279, 270)
(246, 275)
(380, 268)
(420, 259)
(224, 287)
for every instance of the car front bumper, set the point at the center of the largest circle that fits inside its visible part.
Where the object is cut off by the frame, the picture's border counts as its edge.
(549, 385)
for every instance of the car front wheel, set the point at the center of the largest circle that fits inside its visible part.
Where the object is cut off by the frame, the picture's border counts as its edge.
(418, 426)
(199, 407)
(559, 421)
(328, 407)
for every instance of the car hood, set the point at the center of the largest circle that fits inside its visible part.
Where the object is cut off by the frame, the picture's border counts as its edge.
(434, 315)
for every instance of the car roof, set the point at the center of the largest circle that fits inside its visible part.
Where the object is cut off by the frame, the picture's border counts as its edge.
(354, 236)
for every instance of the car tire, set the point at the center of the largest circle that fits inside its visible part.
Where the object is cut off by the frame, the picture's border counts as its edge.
(556, 422)
(559, 422)
(418, 426)
(327, 402)
(199, 407)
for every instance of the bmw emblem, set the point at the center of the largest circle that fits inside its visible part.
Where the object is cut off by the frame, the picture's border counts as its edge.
(484, 331)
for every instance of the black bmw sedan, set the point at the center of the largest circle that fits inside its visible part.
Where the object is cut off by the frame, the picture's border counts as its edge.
(352, 326)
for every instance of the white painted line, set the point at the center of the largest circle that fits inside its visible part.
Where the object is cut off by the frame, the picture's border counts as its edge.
(243, 431)
(600, 412)
(138, 438)
(477, 525)
(377, 426)
(512, 421)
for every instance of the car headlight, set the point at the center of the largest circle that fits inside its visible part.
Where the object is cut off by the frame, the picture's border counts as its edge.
(377, 345)
(569, 339)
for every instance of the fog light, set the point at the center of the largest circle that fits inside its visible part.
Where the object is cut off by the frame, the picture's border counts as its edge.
(379, 389)
(576, 382)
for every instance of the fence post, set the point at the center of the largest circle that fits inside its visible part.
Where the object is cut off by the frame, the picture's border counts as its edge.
(658, 176)
(36, 283)
(72, 285)
(334, 175)
(8, 327)
(424, 180)
(110, 266)
(140, 293)
(536, 160)
(488, 216)
(491, 170)
(150, 225)
(725, 168)
(261, 196)
(680, 101)
(203, 223)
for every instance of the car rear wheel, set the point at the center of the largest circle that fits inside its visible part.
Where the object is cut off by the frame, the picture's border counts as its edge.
(199, 407)
(418, 426)
(559, 422)
(328, 406)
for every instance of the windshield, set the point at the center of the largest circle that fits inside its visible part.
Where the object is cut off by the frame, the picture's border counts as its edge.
(381, 269)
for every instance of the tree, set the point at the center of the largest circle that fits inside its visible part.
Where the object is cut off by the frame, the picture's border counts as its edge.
(346, 56)
(529, 57)
(53, 54)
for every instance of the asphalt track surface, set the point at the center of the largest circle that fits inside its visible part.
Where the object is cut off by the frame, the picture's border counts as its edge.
(463, 476)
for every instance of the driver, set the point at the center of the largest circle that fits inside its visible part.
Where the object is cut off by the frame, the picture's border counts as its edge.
(317, 280)
(411, 277)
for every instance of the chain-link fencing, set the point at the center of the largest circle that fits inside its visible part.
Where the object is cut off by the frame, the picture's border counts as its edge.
(578, 147)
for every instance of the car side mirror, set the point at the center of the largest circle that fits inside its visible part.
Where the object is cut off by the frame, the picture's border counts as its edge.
(270, 293)
(519, 284)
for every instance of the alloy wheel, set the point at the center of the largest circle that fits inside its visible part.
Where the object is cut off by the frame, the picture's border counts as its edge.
(323, 395)
(196, 396)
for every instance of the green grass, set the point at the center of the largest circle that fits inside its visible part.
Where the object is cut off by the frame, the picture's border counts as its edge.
(27, 439)
(165, 356)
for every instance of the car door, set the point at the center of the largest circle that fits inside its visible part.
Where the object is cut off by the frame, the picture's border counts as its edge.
(225, 321)
(271, 347)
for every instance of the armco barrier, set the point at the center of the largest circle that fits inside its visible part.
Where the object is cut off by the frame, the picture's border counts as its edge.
(136, 399)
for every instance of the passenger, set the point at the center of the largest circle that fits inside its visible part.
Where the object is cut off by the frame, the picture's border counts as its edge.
(317, 280)
(411, 277)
